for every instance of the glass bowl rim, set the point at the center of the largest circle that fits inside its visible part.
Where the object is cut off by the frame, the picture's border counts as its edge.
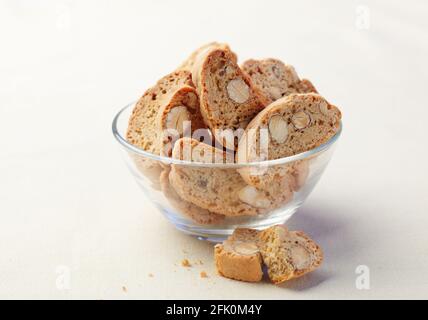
(166, 160)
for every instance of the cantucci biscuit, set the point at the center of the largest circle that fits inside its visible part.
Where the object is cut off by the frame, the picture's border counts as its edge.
(291, 125)
(288, 254)
(239, 257)
(179, 116)
(217, 189)
(228, 100)
(167, 105)
(199, 215)
(275, 78)
(190, 61)
(143, 127)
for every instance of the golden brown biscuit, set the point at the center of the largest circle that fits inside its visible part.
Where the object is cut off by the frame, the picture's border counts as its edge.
(191, 211)
(275, 78)
(179, 116)
(239, 257)
(288, 254)
(190, 61)
(217, 189)
(291, 125)
(228, 100)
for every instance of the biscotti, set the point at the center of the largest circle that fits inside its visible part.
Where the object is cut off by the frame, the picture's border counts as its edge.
(228, 100)
(179, 116)
(190, 61)
(143, 130)
(288, 254)
(239, 257)
(275, 78)
(159, 117)
(197, 214)
(217, 189)
(291, 125)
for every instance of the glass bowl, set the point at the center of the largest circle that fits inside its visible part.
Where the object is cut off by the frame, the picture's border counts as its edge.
(152, 175)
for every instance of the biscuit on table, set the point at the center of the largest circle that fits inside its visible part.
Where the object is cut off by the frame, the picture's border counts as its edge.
(288, 254)
(239, 257)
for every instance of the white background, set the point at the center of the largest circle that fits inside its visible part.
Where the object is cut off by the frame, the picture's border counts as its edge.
(74, 224)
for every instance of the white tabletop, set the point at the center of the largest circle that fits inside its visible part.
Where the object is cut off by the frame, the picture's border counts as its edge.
(73, 222)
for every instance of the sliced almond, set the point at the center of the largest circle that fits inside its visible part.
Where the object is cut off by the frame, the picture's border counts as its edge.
(276, 71)
(255, 198)
(278, 128)
(301, 120)
(238, 90)
(275, 93)
(229, 70)
(245, 248)
(300, 256)
(191, 100)
(324, 108)
(176, 118)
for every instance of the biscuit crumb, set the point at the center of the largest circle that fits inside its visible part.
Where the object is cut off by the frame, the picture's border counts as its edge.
(151, 275)
(185, 263)
(204, 274)
(124, 289)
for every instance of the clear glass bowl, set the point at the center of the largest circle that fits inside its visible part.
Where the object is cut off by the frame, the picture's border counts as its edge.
(150, 171)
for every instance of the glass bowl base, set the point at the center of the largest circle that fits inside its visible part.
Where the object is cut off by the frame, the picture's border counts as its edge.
(219, 233)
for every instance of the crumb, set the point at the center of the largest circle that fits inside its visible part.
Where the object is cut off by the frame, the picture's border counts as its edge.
(185, 263)
(151, 275)
(201, 262)
(204, 274)
(124, 289)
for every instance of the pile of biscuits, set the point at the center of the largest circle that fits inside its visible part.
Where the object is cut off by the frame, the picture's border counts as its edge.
(210, 109)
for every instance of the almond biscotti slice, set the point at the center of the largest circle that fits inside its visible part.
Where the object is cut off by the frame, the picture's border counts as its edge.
(288, 254)
(264, 176)
(143, 128)
(239, 257)
(228, 99)
(275, 78)
(179, 116)
(291, 125)
(168, 104)
(220, 190)
(190, 61)
(199, 215)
